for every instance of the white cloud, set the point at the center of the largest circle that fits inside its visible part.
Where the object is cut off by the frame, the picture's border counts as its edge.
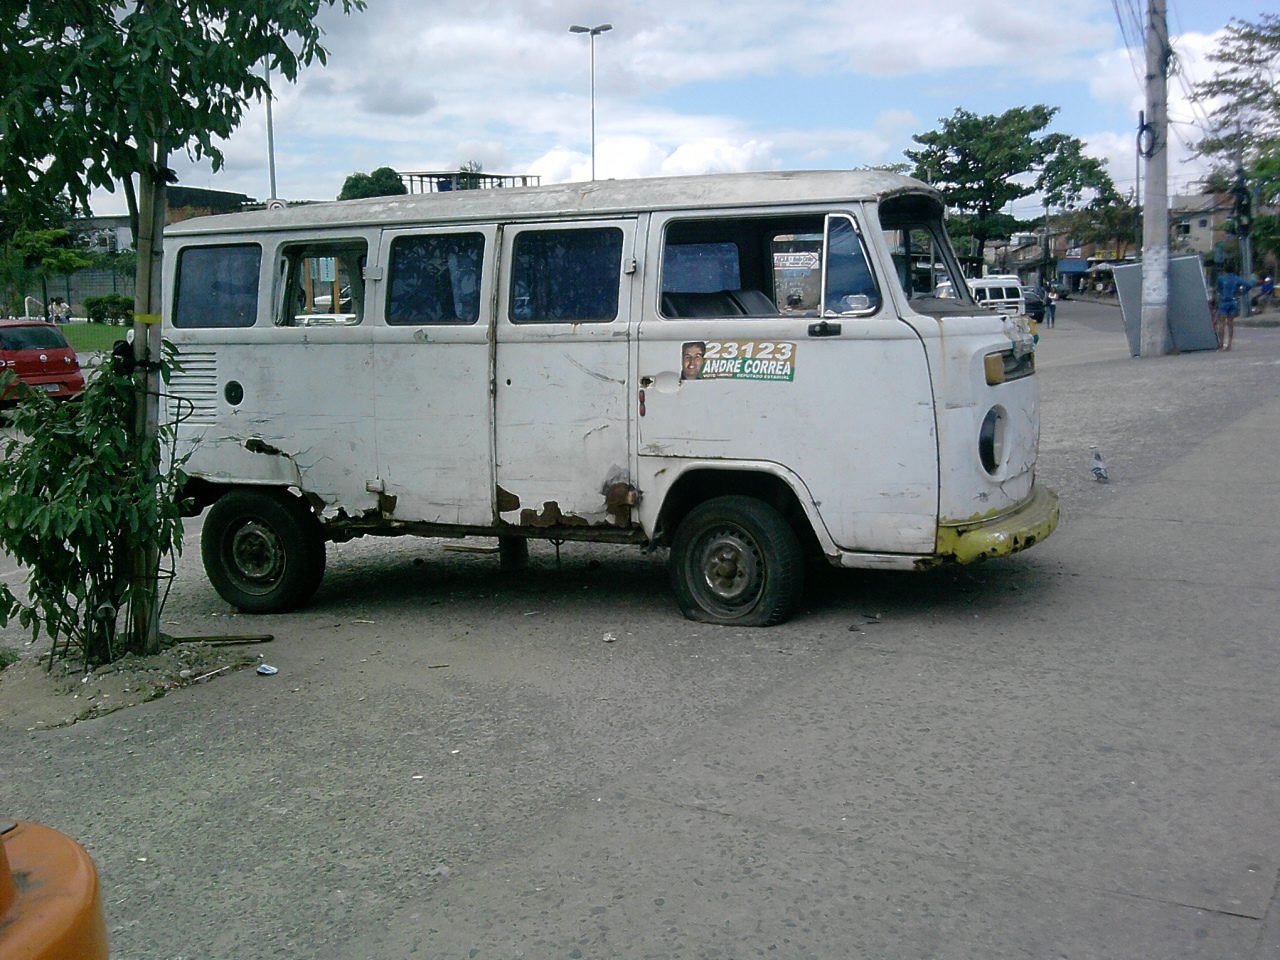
(717, 85)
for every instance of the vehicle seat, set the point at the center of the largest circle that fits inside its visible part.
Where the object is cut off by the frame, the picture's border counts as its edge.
(721, 303)
(754, 303)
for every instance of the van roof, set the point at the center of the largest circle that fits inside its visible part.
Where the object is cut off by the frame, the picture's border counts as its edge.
(594, 198)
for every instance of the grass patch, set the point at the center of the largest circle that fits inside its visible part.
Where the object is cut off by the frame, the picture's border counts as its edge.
(90, 337)
(8, 657)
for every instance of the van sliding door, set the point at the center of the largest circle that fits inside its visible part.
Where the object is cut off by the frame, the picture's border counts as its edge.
(435, 462)
(562, 402)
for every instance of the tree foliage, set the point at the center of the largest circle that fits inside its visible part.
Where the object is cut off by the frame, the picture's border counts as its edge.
(383, 182)
(468, 175)
(974, 161)
(95, 93)
(1115, 220)
(90, 85)
(50, 253)
(20, 218)
(1265, 173)
(1244, 89)
(73, 503)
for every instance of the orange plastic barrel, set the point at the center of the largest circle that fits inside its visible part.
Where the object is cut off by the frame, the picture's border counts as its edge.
(50, 904)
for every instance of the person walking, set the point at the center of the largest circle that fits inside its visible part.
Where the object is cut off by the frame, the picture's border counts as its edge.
(1233, 290)
(1050, 307)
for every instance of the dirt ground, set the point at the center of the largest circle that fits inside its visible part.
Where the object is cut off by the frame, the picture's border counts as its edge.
(33, 697)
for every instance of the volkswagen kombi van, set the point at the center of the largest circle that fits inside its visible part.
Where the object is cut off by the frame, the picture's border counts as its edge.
(1002, 294)
(746, 370)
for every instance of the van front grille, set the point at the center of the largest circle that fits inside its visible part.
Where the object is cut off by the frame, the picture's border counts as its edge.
(193, 390)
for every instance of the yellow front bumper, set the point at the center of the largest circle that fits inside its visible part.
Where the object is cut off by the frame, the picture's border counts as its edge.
(1026, 525)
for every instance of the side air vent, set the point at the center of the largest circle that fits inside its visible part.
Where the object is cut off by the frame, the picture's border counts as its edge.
(193, 390)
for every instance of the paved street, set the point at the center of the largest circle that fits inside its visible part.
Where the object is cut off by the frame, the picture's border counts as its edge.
(1068, 753)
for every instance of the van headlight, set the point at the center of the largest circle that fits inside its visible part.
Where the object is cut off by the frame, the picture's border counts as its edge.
(991, 440)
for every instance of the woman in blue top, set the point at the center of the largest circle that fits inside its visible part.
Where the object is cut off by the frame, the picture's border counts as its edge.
(1233, 290)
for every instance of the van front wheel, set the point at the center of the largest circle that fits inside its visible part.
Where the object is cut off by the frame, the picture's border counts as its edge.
(263, 550)
(736, 561)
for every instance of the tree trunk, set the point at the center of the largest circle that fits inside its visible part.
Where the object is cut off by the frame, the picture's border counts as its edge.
(144, 564)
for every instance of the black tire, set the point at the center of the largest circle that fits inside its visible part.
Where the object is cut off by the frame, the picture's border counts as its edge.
(263, 550)
(736, 561)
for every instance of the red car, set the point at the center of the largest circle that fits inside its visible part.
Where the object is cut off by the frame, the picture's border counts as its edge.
(41, 357)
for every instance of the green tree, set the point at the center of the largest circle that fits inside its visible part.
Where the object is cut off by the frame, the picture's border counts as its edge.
(1244, 89)
(100, 92)
(1068, 176)
(383, 182)
(19, 215)
(467, 178)
(50, 253)
(1114, 220)
(974, 159)
(1264, 173)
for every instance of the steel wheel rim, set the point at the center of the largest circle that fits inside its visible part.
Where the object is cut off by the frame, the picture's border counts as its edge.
(728, 570)
(257, 555)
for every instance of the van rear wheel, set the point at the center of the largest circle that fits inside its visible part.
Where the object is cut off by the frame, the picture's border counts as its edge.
(263, 550)
(736, 561)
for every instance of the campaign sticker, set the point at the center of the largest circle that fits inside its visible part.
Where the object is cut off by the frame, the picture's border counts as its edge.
(738, 360)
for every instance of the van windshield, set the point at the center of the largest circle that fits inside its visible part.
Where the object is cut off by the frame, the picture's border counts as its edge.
(925, 264)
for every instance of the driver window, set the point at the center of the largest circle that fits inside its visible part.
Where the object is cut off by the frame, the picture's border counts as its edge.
(849, 288)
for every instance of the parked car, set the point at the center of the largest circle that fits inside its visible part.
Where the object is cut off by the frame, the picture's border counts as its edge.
(38, 353)
(1035, 299)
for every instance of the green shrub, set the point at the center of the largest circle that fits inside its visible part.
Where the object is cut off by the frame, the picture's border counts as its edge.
(79, 495)
(110, 308)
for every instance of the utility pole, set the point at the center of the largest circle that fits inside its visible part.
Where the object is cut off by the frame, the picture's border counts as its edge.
(1154, 340)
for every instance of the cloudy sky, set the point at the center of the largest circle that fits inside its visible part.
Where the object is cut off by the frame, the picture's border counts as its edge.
(702, 86)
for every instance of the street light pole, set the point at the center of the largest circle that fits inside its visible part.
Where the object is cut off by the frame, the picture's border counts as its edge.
(592, 33)
(271, 136)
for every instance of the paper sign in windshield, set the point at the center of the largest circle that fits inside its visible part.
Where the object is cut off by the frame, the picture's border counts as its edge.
(738, 360)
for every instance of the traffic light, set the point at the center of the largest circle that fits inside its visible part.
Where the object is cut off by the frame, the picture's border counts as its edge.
(1243, 213)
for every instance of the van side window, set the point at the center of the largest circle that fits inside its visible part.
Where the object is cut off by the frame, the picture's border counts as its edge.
(850, 287)
(323, 283)
(566, 276)
(435, 279)
(218, 286)
(729, 267)
(700, 267)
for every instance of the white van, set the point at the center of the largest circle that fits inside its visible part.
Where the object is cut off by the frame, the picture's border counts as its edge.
(1003, 294)
(747, 369)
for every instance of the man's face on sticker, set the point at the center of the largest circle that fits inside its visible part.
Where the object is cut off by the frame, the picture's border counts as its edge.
(691, 365)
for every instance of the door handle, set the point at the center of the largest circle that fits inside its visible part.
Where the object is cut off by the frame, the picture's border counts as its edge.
(824, 329)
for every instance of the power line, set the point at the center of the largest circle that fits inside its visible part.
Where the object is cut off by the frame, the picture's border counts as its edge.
(1131, 40)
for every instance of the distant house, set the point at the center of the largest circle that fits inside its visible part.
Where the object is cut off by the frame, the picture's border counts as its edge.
(115, 235)
(104, 234)
(1197, 223)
